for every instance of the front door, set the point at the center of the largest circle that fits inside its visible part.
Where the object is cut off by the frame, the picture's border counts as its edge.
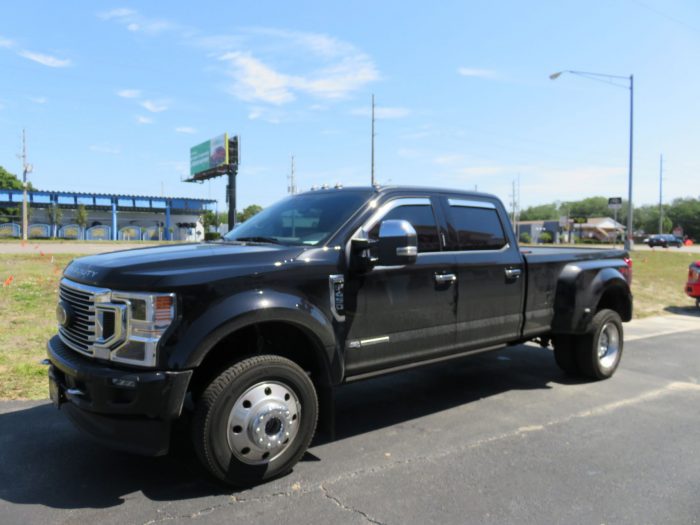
(401, 314)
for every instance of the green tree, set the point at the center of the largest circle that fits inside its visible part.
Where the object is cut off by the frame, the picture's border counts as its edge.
(543, 212)
(81, 217)
(10, 181)
(590, 207)
(685, 213)
(248, 212)
(212, 220)
(209, 220)
(546, 237)
(56, 216)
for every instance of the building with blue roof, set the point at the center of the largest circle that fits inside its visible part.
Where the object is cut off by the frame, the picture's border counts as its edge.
(110, 216)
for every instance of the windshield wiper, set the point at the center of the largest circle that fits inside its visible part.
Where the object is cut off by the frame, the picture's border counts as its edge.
(272, 240)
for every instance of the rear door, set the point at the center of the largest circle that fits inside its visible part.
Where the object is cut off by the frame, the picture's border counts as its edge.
(489, 273)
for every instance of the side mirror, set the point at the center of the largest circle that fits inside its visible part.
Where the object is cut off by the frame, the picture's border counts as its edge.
(397, 244)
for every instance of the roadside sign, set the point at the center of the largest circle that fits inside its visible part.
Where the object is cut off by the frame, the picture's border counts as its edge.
(615, 203)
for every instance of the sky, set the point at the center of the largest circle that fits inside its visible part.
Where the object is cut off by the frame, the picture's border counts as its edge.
(113, 95)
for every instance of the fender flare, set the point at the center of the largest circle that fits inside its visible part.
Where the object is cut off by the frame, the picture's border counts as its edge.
(580, 288)
(252, 307)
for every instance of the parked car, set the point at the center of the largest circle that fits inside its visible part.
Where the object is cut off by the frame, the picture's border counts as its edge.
(248, 337)
(664, 240)
(692, 287)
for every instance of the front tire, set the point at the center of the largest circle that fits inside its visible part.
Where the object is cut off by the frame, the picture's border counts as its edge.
(255, 420)
(599, 351)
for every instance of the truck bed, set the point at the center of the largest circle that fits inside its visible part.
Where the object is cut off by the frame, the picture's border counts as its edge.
(544, 267)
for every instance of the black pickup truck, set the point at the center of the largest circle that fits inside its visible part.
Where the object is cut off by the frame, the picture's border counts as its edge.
(248, 337)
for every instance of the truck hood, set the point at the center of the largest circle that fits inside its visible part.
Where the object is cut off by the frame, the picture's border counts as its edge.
(168, 267)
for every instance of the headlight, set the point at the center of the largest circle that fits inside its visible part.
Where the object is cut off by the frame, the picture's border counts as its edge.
(148, 317)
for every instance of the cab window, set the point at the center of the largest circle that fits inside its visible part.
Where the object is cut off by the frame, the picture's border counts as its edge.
(423, 221)
(477, 228)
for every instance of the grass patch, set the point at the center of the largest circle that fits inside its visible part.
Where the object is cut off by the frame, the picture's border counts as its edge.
(28, 302)
(27, 321)
(659, 281)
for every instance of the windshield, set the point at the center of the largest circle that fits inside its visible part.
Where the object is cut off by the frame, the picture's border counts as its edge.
(306, 219)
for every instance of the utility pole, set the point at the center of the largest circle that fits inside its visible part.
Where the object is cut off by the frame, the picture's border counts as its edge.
(373, 182)
(292, 189)
(26, 169)
(514, 203)
(661, 192)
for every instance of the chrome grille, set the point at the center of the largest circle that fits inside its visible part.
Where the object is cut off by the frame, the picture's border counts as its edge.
(80, 332)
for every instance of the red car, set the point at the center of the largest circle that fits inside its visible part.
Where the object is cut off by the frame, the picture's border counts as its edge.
(692, 287)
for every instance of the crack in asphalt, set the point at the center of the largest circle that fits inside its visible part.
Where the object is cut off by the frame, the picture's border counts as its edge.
(348, 508)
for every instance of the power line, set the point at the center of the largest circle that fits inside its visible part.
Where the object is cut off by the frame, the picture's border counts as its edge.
(666, 16)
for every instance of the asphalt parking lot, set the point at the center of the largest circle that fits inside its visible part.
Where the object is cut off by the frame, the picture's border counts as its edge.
(501, 437)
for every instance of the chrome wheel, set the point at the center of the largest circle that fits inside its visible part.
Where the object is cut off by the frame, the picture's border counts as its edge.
(608, 345)
(263, 422)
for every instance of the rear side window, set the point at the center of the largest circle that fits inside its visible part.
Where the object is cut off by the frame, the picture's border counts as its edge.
(477, 228)
(423, 221)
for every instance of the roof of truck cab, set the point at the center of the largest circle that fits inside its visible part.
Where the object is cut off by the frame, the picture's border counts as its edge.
(383, 190)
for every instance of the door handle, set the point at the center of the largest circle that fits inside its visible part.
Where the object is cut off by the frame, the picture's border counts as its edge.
(513, 273)
(441, 278)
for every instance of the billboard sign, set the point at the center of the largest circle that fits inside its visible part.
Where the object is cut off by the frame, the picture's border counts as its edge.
(209, 155)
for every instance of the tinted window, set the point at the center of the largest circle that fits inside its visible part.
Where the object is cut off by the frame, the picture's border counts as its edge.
(477, 228)
(423, 221)
(309, 218)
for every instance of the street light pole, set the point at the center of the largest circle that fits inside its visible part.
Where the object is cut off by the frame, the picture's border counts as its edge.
(661, 193)
(630, 211)
(610, 79)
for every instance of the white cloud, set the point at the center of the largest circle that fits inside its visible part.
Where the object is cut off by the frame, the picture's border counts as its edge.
(271, 116)
(154, 106)
(135, 22)
(121, 12)
(144, 120)
(476, 72)
(106, 148)
(185, 129)
(6, 43)
(340, 68)
(256, 81)
(540, 183)
(382, 112)
(316, 64)
(129, 93)
(449, 159)
(39, 100)
(45, 60)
